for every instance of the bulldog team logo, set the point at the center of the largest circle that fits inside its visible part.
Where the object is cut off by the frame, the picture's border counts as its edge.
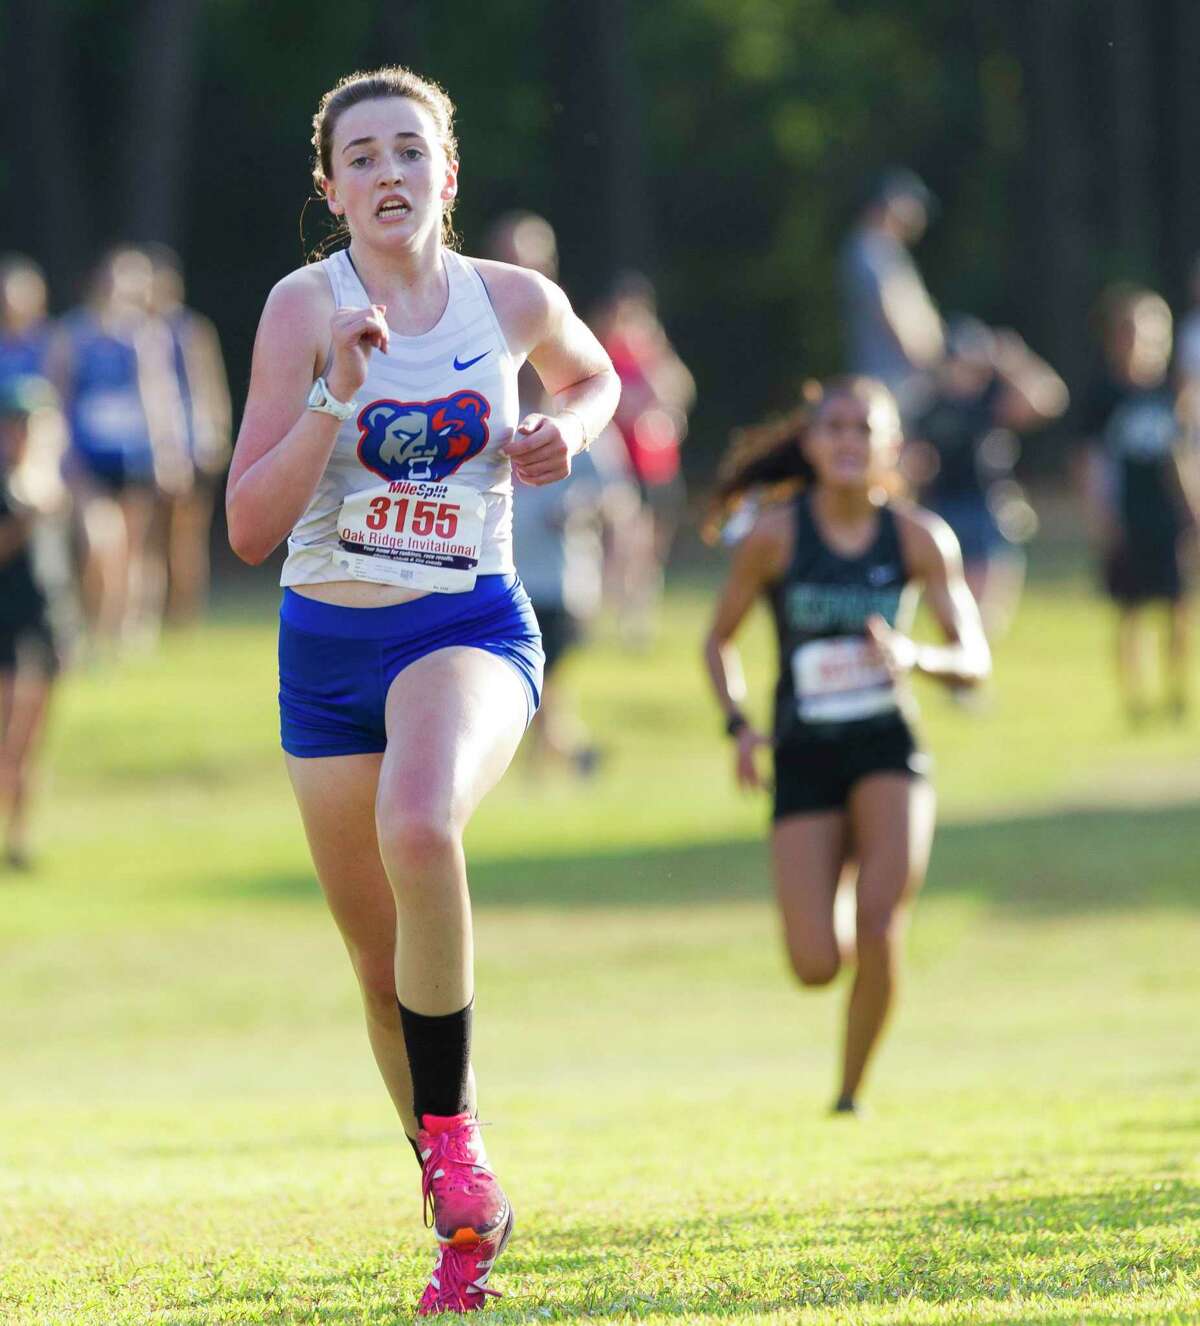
(424, 441)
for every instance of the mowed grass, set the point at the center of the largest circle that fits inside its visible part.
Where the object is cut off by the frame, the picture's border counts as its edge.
(191, 1130)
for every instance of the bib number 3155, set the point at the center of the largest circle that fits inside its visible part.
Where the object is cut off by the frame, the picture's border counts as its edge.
(424, 536)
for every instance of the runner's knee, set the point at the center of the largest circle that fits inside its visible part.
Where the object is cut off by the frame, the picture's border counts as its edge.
(415, 843)
(814, 967)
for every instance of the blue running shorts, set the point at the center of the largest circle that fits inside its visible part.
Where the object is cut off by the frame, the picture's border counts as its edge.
(336, 663)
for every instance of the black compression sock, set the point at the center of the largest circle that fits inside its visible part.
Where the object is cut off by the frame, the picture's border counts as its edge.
(439, 1058)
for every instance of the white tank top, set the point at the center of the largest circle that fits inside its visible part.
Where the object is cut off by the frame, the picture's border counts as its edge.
(437, 404)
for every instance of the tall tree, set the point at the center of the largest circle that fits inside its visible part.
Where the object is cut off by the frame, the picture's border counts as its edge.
(43, 154)
(1061, 241)
(605, 214)
(399, 34)
(1184, 116)
(157, 162)
(1133, 180)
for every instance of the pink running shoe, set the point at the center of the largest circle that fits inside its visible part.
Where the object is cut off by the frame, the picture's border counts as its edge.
(463, 1200)
(460, 1274)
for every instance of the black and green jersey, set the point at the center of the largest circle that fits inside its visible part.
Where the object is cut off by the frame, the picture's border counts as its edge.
(827, 675)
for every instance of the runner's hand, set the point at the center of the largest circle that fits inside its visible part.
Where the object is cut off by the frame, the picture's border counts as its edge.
(892, 648)
(542, 446)
(354, 333)
(748, 741)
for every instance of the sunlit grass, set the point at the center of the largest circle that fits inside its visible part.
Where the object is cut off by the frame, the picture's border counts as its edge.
(193, 1132)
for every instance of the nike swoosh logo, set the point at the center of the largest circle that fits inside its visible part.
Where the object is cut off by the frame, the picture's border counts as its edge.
(460, 366)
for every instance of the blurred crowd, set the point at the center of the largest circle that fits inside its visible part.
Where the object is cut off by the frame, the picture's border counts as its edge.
(605, 534)
(968, 392)
(116, 429)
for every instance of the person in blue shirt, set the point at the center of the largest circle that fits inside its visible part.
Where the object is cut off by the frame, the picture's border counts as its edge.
(111, 362)
(24, 328)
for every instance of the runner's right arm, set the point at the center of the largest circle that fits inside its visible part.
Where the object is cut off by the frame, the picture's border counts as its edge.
(283, 447)
(758, 560)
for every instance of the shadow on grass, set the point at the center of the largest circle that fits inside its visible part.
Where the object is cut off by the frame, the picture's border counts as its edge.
(1054, 1251)
(1062, 863)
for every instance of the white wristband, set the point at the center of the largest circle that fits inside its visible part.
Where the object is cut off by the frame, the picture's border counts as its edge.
(321, 399)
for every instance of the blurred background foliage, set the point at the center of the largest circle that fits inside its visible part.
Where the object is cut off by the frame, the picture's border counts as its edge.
(721, 146)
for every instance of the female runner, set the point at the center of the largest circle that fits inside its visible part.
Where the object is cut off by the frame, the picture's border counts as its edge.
(841, 565)
(381, 430)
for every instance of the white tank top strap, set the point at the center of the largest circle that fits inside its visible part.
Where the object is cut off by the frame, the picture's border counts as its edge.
(347, 289)
(473, 281)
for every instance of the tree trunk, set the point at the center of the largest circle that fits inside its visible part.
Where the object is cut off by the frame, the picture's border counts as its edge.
(1185, 114)
(1058, 244)
(51, 210)
(398, 35)
(1133, 178)
(159, 113)
(604, 218)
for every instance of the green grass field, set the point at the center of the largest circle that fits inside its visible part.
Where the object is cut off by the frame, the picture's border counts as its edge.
(191, 1130)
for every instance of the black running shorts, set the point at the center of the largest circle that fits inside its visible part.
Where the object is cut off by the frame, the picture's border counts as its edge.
(31, 644)
(814, 771)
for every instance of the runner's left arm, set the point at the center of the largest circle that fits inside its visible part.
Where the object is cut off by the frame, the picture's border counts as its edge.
(933, 557)
(572, 365)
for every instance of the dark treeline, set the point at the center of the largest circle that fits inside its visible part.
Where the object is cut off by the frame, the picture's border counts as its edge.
(719, 145)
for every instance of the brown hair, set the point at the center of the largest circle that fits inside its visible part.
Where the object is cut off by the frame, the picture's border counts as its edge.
(769, 457)
(390, 81)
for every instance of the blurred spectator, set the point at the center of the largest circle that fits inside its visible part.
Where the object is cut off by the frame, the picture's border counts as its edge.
(526, 240)
(32, 502)
(24, 329)
(657, 391)
(989, 386)
(1187, 358)
(1187, 343)
(558, 528)
(112, 362)
(559, 551)
(893, 329)
(208, 420)
(1138, 502)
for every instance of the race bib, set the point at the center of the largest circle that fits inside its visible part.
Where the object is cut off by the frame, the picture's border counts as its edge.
(839, 680)
(424, 536)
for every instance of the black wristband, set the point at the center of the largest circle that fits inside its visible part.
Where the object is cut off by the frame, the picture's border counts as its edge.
(735, 722)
